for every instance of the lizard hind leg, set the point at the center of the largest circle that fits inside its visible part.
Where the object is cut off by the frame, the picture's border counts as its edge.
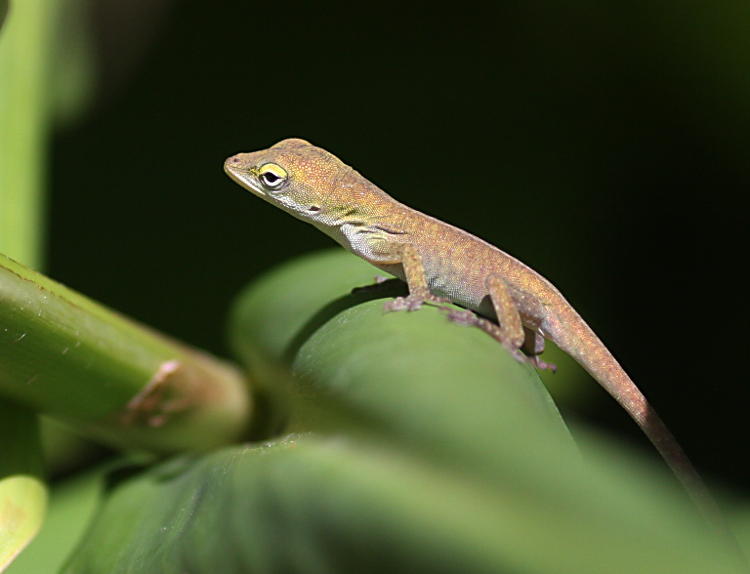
(524, 343)
(509, 329)
(419, 291)
(533, 346)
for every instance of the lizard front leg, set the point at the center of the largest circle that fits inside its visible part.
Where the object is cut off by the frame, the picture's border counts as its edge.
(416, 280)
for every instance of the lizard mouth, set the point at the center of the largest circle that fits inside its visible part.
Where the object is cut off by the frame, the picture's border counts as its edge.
(244, 177)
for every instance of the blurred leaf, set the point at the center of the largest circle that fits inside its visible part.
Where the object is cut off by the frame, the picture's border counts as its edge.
(443, 455)
(3, 12)
(23, 494)
(65, 450)
(71, 507)
(310, 505)
(73, 71)
(740, 519)
(25, 48)
(67, 356)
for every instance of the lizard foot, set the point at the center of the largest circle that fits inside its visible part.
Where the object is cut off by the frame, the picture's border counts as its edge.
(414, 302)
(466, 318)
(542, 365)
(470, 319)
(408, 303)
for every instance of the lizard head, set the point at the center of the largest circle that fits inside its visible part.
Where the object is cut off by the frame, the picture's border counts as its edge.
(296, 176)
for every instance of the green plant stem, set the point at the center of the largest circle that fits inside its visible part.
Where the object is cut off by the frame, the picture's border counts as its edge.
(66, 356)
(25, 50)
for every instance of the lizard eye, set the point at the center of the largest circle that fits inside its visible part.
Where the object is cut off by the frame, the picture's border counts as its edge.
(272, 176)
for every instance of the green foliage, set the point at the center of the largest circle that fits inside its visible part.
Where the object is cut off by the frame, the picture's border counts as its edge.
(418, 448)
(415, 445)
(25, 49)
(23, 495)
(399, 374)
(3, 12)
(306, 504)
(71, 506)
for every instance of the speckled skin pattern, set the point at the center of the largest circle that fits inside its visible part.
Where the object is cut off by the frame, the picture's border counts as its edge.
(317, 187)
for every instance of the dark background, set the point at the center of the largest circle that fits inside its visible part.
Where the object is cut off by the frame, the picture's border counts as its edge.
(605, 144)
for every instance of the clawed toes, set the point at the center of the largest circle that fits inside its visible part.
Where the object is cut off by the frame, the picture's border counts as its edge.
(438, 300)
(462, 317)
(403, 304)
(542, 365)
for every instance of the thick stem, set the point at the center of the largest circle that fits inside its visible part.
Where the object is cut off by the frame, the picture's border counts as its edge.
(64, 355)
(25, 50)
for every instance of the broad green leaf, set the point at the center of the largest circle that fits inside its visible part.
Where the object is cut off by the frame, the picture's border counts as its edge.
(342, 505)
(434, 452)
(414, 377)
(423, 383)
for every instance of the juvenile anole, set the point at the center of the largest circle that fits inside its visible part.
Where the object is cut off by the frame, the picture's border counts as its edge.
(440, 262)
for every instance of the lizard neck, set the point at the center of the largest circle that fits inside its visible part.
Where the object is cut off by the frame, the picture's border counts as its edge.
(362, 218)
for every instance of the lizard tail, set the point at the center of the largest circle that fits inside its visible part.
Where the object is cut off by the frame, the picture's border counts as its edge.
(571, 333)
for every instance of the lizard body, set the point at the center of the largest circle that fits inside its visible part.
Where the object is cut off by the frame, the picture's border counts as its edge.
(438, 260)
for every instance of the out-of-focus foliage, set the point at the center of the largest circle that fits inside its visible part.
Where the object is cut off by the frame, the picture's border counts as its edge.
(25, 46)
(337, 505)
(73, 72)
(71, 506)
(424, 447)
(3, 11)
(23, 494)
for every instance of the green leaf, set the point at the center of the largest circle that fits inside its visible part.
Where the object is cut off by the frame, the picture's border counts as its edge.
(424, 384)
(23, 494)
(416, 378)
(71, 507)
(432, 451)
(64, 355)
(342, 505)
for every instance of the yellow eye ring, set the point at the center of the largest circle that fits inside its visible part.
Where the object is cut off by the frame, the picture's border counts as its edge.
(272, 176)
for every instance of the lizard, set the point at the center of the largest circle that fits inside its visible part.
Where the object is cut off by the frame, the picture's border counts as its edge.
(442, 263)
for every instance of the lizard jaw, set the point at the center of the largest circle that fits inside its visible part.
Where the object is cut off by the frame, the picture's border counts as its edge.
(242, 175)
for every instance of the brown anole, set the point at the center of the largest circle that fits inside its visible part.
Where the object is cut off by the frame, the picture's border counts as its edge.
(439, 263)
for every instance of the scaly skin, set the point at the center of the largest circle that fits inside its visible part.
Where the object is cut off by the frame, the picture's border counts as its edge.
(437, 259)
